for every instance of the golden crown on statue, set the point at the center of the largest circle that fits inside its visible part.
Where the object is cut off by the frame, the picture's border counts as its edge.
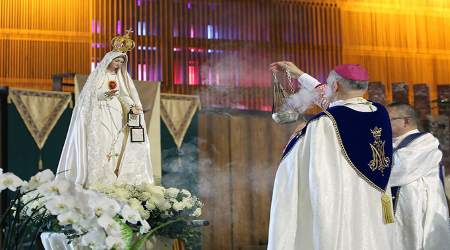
(123, 43)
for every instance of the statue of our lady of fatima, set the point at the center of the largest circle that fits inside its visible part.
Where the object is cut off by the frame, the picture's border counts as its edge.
(102, 146)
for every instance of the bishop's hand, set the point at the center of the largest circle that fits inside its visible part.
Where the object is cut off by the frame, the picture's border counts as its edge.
(286, 66)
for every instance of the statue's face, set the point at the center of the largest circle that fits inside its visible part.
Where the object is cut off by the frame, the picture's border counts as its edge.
(117, 63)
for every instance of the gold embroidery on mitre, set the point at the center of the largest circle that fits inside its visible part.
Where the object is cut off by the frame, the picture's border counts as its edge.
(379, 160)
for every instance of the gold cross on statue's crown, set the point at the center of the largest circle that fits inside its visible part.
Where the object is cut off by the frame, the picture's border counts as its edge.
(123, 43)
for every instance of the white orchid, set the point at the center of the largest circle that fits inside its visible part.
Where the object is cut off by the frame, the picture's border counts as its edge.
(59, 204)
(56, 187)
(111, 226)
(85, 224)
(68, 218)
(115, 242)
(39, 179)
(94, 239)
(10, 181)
(104, 206)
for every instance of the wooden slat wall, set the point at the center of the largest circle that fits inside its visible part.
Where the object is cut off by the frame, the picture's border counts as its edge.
(398, 41)
(39, 38)
(239, 154)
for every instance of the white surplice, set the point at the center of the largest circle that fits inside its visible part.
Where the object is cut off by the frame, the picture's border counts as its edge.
(319, 202)
(421, 219)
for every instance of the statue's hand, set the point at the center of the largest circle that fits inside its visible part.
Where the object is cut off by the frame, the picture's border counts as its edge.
(136, 110)
(111, 93)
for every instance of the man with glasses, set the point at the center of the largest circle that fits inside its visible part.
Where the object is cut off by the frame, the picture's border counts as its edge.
(420, 205)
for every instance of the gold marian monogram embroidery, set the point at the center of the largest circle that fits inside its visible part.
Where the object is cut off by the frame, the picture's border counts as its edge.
(379, 160)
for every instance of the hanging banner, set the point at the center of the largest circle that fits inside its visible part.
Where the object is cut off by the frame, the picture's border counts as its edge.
(177, 112)
(40, 110)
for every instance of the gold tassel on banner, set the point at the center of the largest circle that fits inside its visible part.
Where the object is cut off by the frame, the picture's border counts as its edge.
(40, 163)
(386, 204)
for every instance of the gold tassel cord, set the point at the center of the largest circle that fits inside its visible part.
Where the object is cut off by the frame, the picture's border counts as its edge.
(386, 204)
(40, 162)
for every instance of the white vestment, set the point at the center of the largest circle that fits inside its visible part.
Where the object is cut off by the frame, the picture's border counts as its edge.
(98, 148)
(421, 218)
(319, 202)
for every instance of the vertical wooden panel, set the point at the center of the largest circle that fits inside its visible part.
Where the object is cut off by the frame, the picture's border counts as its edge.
(215, 180)
(422, 100)
(237, 169)
(443, 99)
(400, 93)
(376, 92)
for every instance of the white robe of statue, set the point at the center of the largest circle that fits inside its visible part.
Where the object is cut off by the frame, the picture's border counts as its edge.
(319, 202)
(421, 219)
(98, 140)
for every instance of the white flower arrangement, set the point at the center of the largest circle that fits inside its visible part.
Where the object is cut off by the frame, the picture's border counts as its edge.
(103, 217)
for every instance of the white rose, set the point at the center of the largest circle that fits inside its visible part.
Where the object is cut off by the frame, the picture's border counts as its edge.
(186, 193)
(121, 194)
(164, 205)
(150, 205)
(188, 202)
(172, 192)
(129, 214)
(178, 206)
